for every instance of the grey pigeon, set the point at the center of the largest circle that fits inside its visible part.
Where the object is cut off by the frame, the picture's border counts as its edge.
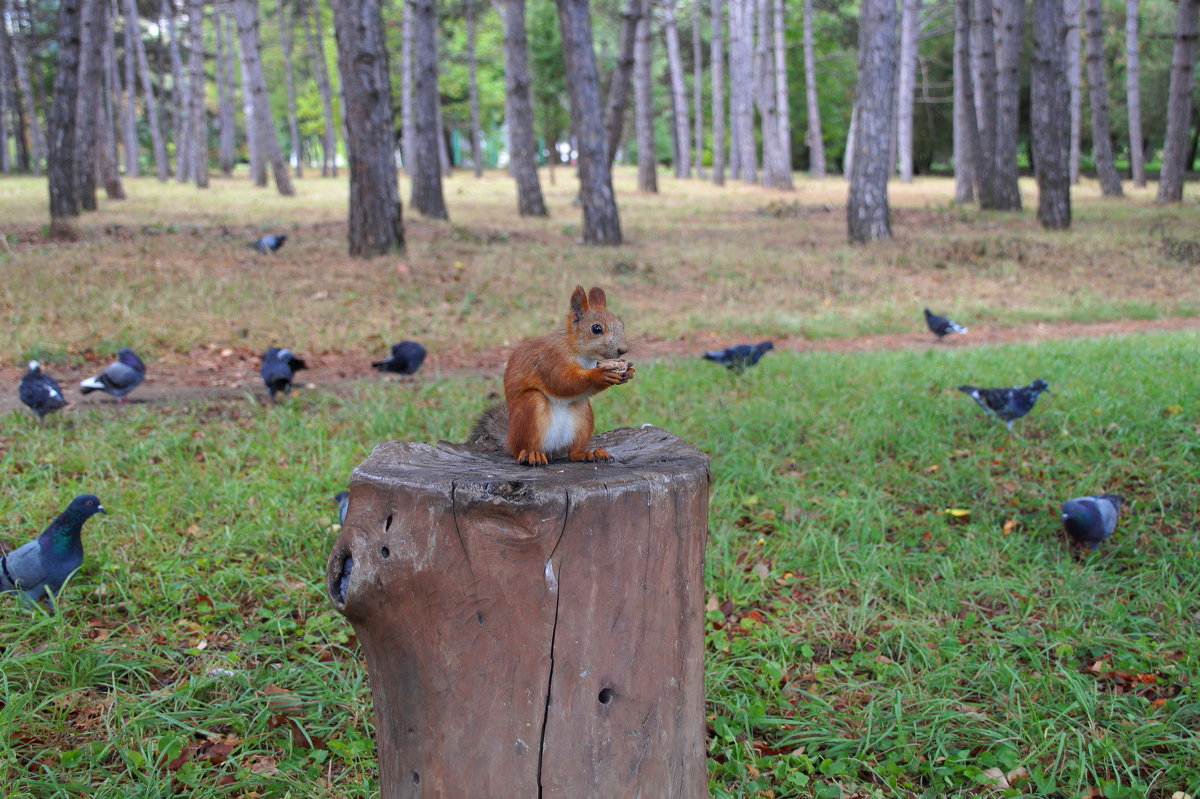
(40, 392)
(406, 358)
(940, 326)
(279, 366)
(739, 357)
(44, 563)
(1090, 520)
(342, 498)
(269, 243)
(1008, 404)
(118, 378)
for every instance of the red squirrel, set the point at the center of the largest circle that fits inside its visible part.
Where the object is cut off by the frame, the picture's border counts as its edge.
(548, 382)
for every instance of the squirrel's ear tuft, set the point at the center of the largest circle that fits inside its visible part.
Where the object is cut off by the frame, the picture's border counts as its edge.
(579, 301)
(596, 297)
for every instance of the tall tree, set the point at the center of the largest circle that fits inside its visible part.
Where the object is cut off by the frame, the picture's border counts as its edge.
(698, 88)
(1071, 10)
(427, 195)
(717, 76)
(783, 111)
(643, 105)
(1050, 127)
(60, 159)
(376, 223)
(1175, 160)
(775, 173)
(622, 78)
(1008, 95)
(226, 113)
(408, 124)
(133, 33)
(816, 144)
(518, 112)
(17, 47)
(909, 30)
(679, 101)
(286, 39)
(197, 115)
(129, 107)
(179, 97)
(1102, 150)
(469, 10)
(315, 33)
(1133, 95)
(91, 83)
(106, 147)
(6, 100)
(984, 43)
(601, 223)
(867, 212)
(246, 14)
(254, 154)
(967, 167)
(741, 74)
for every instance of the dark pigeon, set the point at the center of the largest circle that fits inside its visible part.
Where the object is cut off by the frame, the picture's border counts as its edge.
(1090, 520)
(940, 326)
(44, 563)
(278, 368)
(269, 243)
(342, 498)
(1008, 404)
(118, 378)
(740, 357)
(406, 358)
(40, 392)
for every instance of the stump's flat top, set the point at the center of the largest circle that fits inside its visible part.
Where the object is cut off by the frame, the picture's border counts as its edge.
(637, 454)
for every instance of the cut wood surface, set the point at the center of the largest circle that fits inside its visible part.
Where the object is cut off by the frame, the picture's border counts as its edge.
(531, 632)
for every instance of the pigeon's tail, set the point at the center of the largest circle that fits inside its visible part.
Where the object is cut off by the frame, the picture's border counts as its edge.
(971, 391)
(382, 365)
(1115, 499)
(90, 385)
(718, 356)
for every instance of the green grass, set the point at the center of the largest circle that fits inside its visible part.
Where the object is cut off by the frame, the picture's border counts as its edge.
(860, 641)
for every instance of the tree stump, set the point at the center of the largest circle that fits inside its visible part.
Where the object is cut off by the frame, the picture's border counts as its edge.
(531, 632)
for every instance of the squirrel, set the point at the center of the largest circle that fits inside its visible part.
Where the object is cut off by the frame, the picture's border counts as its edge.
(547, 384)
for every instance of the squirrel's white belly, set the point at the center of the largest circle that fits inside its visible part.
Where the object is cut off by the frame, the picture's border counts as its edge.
(561, 431)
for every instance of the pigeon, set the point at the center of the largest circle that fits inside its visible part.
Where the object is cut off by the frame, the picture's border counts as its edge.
(1090, 520)
(342, 498)
(940, 326)
(740, 357)
(40, 392)
(118, 378)
(44, 563)
(1009, 404)
(406, 358)
(278, 367)
(268, 243)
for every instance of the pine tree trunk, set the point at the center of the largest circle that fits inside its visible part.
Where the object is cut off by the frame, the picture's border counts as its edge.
(868, 215)
(246, 13)
(427, 195)
(473, 90)
(106, 148)
(909, 29)
(622, 78)
(683, 162)
(984, 41)
(91, 82)
(133, 33)
(443, 142)
(1102, 149)
(1133, 94)
(851, 137)
(316, 54)
(7, 99)
(783, 110)
(20, 54)
(519, 112)
(816, 144)
(1050, 127)
(60, 160)
(1008, 95)
(1175, 161)
(764, 95)
(197, 115)
(1071, 10)
(966, 122)
(408, 125)
(717, 76)
(286, 39)
(698, 88)
(643, 105)
(741, 53)
(376, 223)
(601, 223)
(180, 101)
(254, 155)
(226, 113)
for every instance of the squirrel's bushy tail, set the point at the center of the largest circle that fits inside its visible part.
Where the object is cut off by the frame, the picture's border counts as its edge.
(491, 428)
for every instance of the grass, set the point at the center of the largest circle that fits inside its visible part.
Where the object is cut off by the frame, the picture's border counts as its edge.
(167, 271)
(860, 641)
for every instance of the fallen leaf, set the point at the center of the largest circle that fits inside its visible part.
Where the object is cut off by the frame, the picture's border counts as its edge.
(957, 513)
(1009, 526)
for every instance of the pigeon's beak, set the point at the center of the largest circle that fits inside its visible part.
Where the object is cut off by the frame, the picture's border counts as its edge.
(1065, 517)
(100, 509)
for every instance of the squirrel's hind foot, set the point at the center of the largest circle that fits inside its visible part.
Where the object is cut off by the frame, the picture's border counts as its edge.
(590, 455)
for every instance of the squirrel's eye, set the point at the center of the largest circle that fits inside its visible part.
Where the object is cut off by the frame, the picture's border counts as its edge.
(597, 329)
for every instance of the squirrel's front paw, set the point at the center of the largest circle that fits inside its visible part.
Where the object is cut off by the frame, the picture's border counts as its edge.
(532, 458)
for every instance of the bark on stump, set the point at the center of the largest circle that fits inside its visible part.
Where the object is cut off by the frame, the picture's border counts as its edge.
(531, 632)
